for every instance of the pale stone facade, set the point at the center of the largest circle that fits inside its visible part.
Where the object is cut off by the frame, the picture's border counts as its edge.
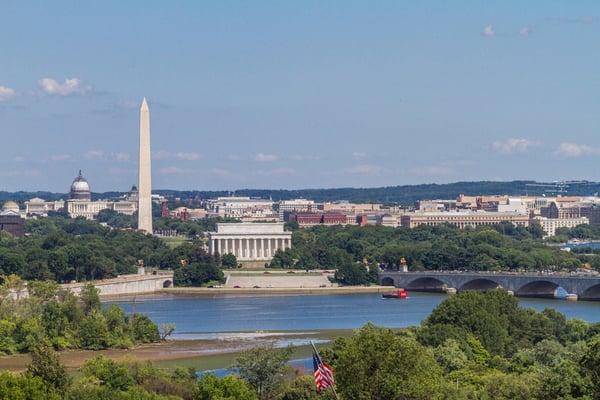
(249, 241)
(300, 205)
(245, 208)
(549, 225)
(463, 219)
(41, 207)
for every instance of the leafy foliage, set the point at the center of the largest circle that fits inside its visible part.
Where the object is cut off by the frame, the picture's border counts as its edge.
(55, 316)
(262, 368)
(378, 363)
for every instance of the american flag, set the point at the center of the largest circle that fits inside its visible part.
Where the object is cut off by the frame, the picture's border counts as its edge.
(323, 373)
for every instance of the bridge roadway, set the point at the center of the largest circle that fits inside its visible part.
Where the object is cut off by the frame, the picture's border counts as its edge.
(583, 287)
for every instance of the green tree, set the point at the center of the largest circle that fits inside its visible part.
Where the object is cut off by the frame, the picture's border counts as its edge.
(94, 331)
(229, 261)
(303, 388)
(144, 329)
(352, 274)
(46, 365)
(108, 372)
(14, 387)
(378, 363)
(90, 298)
(450, 356)
(263, 368)
(470, 311)
(230, 387)
(499, 386)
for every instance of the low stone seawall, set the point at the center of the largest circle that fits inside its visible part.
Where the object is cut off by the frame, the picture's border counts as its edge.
(127, 284)
(278, 291)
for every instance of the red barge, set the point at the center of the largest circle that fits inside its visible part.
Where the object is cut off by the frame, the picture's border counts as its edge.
(395, 294)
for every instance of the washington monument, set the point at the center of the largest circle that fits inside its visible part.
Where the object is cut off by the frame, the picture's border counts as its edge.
(145, 175)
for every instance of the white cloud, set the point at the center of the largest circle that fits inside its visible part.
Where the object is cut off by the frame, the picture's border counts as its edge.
(174, 170)
(488, 31)
(261, 157)
(188, 156)
(577, 150)
(6, 93)
(358, 154)
(71, 86)
(514, 145)
(524, 31)
(587, 19)
(19, 159)
(93, 155)
(432, 170)
(122, 156)
(298, 157)
(363, 169)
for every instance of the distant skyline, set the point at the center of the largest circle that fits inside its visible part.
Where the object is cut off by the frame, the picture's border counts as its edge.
(297, 95)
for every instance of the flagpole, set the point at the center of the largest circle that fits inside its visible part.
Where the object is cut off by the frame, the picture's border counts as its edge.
(317, 353)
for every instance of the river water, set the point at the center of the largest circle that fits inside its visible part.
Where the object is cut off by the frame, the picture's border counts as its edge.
(207, 316)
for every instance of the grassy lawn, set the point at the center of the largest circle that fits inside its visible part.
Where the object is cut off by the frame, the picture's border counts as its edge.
(173, 242)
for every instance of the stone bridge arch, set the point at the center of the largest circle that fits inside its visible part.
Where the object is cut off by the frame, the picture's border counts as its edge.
(426, 284)
(387, 281)
(538, 288)
(592, 293)
(522, 284)
(480, 284)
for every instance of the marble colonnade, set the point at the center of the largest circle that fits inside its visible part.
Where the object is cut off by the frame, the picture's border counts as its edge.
(257, 248)
(249, 241)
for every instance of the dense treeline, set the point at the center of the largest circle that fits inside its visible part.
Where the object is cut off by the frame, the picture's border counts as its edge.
(355, 252)
(35, 312)
(472, 346)
(64, 250)
(403, 194)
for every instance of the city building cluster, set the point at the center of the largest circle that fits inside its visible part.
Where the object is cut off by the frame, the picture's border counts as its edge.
(464, 211)
(550, 213)
(79, 203)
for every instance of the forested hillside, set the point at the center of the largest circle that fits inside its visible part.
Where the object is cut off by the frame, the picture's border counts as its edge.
(401, 194)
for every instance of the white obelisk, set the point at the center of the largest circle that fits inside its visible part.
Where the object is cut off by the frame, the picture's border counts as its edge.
(145, 175)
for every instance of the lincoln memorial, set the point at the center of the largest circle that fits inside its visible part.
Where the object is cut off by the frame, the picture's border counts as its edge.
(249, 241)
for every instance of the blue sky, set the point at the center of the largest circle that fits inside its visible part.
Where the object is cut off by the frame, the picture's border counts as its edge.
(305, 94)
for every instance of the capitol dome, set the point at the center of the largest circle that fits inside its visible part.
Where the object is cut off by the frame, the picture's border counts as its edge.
(10, 206)
(80, 189)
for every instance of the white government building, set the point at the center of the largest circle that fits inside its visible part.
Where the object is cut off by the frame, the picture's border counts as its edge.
(80, 204)
(249, 241)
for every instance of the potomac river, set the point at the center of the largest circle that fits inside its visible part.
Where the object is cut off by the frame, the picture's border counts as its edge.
(209, 316)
